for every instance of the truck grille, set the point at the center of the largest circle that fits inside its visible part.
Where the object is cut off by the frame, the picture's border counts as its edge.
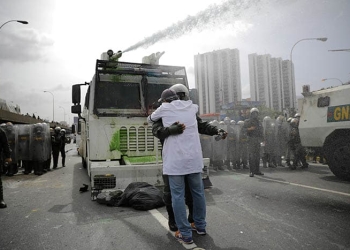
(138, 139)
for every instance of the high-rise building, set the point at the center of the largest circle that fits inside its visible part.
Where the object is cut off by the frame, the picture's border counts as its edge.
(289, 95)
(271, 82)
(217, 79)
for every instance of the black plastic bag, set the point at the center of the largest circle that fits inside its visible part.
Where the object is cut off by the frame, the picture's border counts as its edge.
(110, 198)
(142, 196)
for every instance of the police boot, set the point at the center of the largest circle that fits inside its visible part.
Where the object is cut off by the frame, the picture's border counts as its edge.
(264, 160)
(171, 216)
(10, 170)
(63, 162)
(37, 168)
(2, 203)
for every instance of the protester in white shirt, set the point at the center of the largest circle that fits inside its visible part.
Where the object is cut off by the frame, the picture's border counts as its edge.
(182, 158)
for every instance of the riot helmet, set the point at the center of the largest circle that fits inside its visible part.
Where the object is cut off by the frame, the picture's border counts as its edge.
(182, 91)
(9, 126)
(215, 123)
(289, 119)
(38, 128)
(267, 118)
(240, 123)
(233, 122)
(254, 113)
(294, 122)
(57, 130)
(227, 120)
(297, 115)
(63, 131)
(279, 120)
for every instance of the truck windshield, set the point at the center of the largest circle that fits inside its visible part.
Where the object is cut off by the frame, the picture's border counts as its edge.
(154, 92)
(112, 97)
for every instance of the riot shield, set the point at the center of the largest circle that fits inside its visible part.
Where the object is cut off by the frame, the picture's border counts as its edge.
(38, 145)
(11, 133)
(24, 132)
(219, 150)
(232, 145)
(206, 143)
(48, 148)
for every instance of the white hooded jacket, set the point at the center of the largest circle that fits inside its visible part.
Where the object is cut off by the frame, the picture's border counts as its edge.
(182, 154)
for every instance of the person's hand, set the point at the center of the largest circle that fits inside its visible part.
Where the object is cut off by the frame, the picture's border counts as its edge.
(8, 160)
(223, 133)
(176, 128)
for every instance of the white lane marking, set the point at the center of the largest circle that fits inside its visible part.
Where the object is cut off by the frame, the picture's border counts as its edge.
(305, 186)
(164, 222)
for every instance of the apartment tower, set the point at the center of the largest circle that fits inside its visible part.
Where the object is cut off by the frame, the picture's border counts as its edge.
(217, 79)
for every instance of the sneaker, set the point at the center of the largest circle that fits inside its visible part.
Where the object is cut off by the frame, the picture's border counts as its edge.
(199, 231)
(182, 239)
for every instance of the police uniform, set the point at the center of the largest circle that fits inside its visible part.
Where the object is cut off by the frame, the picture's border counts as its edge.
(254, 134)
(5, 151)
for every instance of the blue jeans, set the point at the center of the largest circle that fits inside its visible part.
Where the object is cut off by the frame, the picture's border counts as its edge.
(177, 188)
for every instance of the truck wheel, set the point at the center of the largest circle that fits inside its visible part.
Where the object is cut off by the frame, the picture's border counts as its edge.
(338, 157)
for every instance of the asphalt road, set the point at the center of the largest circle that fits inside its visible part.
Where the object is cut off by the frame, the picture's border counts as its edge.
(301, 209)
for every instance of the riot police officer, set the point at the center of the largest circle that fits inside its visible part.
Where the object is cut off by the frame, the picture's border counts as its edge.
(56, 145)
(5, 151)
(231, 144)
(254, 132)
(62, 146)
(280, 145)
(268, 156)
(242, 147)
(10, 131)
(297, 148)
(288, 143)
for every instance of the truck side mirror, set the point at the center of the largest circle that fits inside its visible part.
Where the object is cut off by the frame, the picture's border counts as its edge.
(76, 94)
(76, 109)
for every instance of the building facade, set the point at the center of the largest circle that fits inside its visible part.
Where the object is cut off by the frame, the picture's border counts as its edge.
(217, 79)
(272, 82)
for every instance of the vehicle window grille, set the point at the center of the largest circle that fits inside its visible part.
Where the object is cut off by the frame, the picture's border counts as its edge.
(104, 182)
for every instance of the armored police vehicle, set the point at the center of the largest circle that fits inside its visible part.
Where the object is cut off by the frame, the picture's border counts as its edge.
(325, 123)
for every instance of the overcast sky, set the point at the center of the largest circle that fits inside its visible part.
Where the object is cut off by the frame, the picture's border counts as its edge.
(63, 39)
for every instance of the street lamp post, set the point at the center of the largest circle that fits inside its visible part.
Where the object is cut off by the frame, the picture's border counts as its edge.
(53, 104)
(322, 39)
(64, 113)
(18, 21)
(325, 79)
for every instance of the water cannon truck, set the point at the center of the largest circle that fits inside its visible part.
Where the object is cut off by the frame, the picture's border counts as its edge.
(116, 143)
